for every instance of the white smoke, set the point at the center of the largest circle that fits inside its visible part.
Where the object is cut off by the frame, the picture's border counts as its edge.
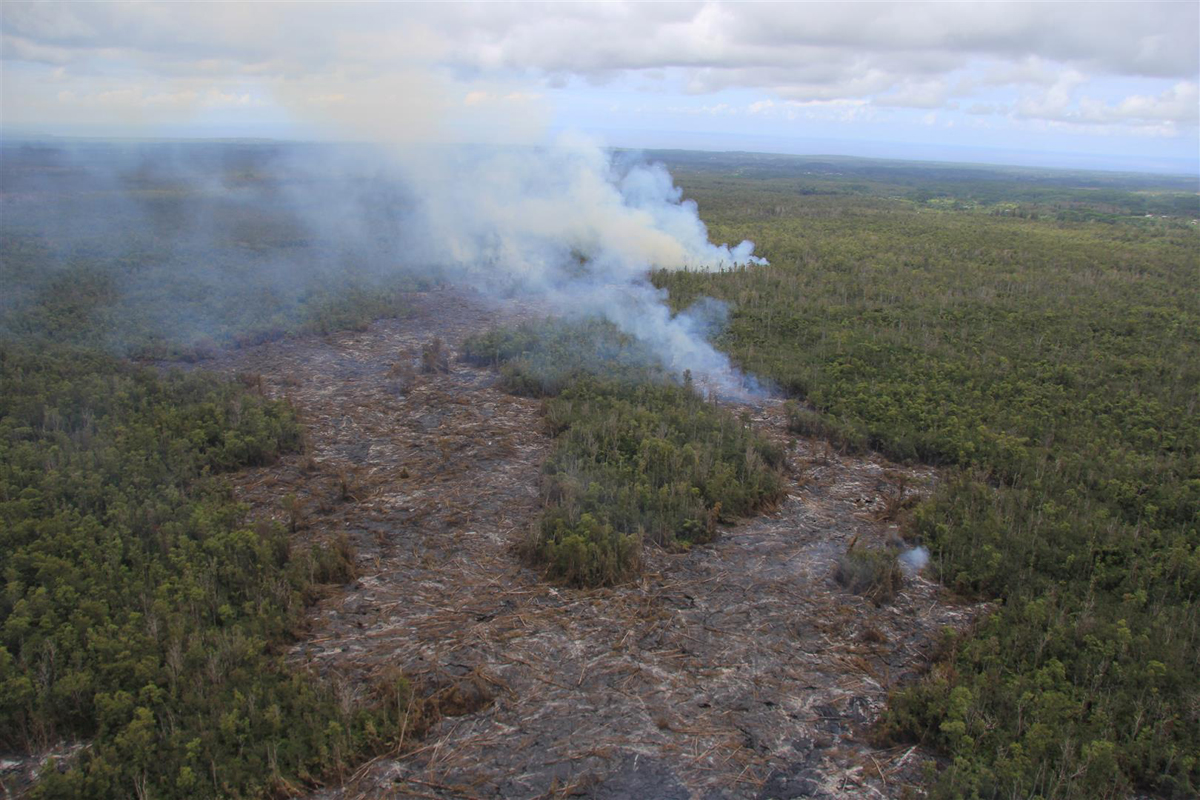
(913, 560)
(571, 222)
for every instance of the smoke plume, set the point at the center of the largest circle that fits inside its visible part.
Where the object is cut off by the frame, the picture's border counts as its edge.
(184, 235)
(579, 227)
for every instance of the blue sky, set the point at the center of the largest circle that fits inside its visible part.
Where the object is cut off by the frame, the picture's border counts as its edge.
(1107, 85)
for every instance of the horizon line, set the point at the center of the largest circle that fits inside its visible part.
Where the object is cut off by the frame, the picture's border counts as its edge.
(1176, 170)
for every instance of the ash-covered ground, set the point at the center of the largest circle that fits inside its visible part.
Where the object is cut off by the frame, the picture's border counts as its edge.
(736, 670)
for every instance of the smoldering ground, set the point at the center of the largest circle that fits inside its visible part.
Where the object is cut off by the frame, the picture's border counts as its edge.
(209, 242)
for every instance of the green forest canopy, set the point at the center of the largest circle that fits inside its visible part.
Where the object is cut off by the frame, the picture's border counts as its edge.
(1042, 342)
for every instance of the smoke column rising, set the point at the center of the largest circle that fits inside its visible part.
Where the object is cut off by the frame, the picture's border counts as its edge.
(571, 223)
(185, 237)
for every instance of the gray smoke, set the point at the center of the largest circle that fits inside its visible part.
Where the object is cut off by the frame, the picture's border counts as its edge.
(185, 235)
(573, 224)
(914, 560)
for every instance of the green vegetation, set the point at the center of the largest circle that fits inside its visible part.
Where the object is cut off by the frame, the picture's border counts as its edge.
(636, 457)
(139, 611)
(1052, 366)
(142, 614)
(1025, 192)
(849, 436)
(542, 359)
(873, 573)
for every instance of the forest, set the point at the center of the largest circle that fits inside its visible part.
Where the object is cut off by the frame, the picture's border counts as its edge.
(143, 611)
(1040, 340)
(1033, 334)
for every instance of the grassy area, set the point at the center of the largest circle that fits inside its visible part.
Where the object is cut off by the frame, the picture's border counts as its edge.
(637, 458)
(1051, 366)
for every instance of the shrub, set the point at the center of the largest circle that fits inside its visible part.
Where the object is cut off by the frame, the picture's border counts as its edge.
(435, 357)
(637, 458)
(874, 574)
(845, 436)
(586, 553)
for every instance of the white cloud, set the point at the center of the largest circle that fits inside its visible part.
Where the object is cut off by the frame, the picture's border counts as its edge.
(838, 110)
(904, 55)
(1179, 105)
(917, 94)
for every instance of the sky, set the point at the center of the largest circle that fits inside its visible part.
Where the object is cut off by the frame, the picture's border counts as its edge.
(1110, 85)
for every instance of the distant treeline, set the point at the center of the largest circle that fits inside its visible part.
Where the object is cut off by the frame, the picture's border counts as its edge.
(1047, 192)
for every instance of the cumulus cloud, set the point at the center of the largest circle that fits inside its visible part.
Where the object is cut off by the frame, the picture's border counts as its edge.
(899, 55)
(841, 109)
(1158, 115)
(917, 94)
(1180, 103)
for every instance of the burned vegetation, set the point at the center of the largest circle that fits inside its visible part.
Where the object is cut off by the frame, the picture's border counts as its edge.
(727, 658)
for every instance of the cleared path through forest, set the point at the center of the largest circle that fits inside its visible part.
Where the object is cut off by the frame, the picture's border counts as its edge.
(738, 669)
